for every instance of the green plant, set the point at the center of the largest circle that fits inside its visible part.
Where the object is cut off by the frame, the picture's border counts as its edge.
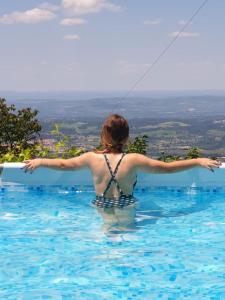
(168, 157)
(74, 151)
(19, 129)
(60, 148)
(138, 145)
(21, 155)
(193, 152)
(62, 141)
(62, 145)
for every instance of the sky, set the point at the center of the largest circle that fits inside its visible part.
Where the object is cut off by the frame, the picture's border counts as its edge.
(107, 45)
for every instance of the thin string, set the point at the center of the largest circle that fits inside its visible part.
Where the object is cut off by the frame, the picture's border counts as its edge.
(161, 54)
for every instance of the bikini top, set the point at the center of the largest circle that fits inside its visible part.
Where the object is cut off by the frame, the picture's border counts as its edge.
(113, 177)
(124, 200)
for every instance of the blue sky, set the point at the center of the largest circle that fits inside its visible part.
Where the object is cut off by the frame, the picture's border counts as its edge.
(108, 44)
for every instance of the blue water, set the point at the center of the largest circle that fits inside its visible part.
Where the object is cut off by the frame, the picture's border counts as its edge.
(52, 246)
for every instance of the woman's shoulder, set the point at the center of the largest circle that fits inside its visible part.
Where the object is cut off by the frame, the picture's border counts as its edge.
(134, 158)
(90, 155)
(135, 155)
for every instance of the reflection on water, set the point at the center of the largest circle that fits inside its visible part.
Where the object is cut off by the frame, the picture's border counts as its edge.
(150, 212)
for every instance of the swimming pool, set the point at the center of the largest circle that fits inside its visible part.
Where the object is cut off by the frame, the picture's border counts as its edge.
(52, 245)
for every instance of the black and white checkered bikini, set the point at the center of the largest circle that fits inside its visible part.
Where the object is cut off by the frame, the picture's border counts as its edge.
(123, 200)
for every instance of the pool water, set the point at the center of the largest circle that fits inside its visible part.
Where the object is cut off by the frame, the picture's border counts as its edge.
(52, 246)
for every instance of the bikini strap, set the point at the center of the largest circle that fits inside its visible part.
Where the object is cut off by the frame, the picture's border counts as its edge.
(113, 174)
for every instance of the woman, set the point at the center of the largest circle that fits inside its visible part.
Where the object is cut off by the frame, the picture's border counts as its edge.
(114, 172)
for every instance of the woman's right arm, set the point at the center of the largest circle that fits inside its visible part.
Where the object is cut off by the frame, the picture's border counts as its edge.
(78, 162)
(148, 165)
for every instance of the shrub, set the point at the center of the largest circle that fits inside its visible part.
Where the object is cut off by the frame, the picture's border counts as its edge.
(193, 152)
(138, 145)
(168, 157)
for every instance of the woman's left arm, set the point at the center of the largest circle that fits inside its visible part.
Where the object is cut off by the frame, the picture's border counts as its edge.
(79, 162)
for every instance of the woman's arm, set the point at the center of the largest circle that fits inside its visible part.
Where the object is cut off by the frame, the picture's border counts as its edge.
(59, 163)
(148, 165)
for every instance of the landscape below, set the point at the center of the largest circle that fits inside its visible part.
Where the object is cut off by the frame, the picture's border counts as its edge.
(173, 124)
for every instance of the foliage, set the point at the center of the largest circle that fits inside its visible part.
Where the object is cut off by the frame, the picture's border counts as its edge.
(193, 152)
(19, 129)
(62, 140)
(74, 151)
(21, 154)
(139, 145)
(168, 157)
(60, 148)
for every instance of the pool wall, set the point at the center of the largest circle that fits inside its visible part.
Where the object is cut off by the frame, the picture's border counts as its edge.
(13, 173)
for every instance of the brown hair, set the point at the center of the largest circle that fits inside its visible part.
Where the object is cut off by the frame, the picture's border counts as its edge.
(114, 135)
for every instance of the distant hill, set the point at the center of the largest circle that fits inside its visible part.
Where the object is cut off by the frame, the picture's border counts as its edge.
(133, 107)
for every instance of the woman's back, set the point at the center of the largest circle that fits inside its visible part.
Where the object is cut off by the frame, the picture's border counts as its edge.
(114, 179)
(125, 174)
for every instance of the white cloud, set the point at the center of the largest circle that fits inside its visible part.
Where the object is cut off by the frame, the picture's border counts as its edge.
(79, 7)
(71, 37)
(153, 22)
(32, 16)
(184, 34)
(183, 22)
(49, 6)
(72, 22)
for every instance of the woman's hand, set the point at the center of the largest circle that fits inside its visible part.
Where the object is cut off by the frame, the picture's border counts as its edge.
(209, 163)
(31, 165)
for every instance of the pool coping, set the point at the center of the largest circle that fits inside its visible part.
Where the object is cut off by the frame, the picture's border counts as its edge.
(195, 177)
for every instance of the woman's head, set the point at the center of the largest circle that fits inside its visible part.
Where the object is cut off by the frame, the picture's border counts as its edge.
(115, 133)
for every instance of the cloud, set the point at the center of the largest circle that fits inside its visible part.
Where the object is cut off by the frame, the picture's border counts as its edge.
(79, 7)
(183, 22)
(184, 34)
(49, 6)
(35, 15)
(72, 22)
(153, 22)
(71, 37)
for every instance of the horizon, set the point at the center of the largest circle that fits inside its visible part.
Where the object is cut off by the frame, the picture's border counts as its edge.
(89, 95)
